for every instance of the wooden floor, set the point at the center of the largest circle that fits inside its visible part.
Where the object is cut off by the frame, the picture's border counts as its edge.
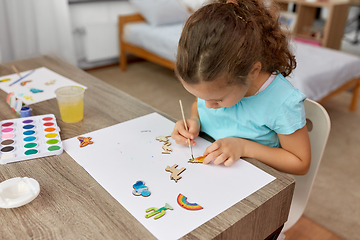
(306, 229)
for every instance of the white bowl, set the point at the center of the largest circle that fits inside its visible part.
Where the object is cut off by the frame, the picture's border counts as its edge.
(16, 192)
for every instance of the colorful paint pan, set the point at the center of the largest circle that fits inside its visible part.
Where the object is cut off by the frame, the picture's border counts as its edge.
(31, 152)
(30, 145)
(48, 124)
(54, 148)
(7, 130)
(8, 124)
(52, 141)
(30, 132)
(7, 149)
(29, 139)
(28, 121)
(8, 136)
(50, 129)
(51, 135)
(7, 142)
(7, 155)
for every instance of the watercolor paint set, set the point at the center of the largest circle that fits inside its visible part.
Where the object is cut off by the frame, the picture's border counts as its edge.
(29, 138)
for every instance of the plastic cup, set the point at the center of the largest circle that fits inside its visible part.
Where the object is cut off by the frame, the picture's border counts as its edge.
(71, 103)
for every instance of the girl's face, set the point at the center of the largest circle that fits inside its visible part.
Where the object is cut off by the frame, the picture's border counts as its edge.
(217, 93)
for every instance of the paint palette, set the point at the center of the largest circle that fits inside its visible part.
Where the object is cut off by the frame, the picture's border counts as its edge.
(28, 138)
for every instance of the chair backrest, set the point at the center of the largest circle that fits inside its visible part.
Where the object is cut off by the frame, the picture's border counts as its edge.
(318, 124)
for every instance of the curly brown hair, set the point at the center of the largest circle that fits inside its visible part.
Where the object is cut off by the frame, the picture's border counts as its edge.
(226, 39)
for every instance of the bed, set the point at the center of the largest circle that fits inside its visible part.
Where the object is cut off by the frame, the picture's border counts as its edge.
(321, 72)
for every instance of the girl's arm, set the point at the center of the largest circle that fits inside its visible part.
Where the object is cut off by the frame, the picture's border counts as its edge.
(293, 157)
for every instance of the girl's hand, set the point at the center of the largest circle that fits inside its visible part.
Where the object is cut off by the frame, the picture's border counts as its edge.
(225, 150)
(181, 135)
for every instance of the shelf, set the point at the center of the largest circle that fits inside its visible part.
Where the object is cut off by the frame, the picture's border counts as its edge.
(306, 15)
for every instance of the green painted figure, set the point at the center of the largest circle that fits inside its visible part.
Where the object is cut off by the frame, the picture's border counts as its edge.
(159, 212)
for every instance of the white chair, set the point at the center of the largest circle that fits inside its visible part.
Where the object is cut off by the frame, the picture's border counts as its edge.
(318, 123)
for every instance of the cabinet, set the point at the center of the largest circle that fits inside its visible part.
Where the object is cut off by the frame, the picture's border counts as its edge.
(333, 30)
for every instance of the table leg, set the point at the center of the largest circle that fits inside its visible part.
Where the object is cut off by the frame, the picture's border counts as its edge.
(275, 234)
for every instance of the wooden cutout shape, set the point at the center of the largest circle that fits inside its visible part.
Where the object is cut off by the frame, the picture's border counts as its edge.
(163, 138)
(140, 189)
(182, 201)
(166, 145)
(85, 141)
(175, 172)
(197, 160)
(35, 90)
(158, 212)
(23, 83)
(166, 148)
(27, 97)
(50, 82)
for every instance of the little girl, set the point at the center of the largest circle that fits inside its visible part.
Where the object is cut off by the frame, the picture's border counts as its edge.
(234, 58)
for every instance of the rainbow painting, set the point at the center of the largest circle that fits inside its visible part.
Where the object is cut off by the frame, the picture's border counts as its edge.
(181, 199)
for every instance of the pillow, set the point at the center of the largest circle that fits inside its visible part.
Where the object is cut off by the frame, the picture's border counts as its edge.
(161, 12)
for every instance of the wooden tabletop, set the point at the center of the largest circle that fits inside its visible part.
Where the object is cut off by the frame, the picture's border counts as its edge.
(72, 205)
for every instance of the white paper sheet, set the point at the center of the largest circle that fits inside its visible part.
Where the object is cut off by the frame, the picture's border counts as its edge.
(127, 152)
(38, 79)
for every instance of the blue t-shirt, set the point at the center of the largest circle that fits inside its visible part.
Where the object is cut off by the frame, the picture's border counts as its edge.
(278, 109)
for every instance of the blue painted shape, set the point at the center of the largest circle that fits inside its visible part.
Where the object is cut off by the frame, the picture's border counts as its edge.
(34, 90)
(141, 189)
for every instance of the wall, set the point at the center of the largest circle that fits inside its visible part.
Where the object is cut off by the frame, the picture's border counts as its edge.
(100, 15)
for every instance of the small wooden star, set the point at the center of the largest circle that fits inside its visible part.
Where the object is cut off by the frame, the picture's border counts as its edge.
(85, 141)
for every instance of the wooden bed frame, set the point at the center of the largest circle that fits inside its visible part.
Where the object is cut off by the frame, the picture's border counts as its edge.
(135, 50)
(126, 48)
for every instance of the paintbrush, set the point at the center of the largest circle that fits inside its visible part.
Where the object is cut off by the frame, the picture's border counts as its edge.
(22, 77)
(187, 129)
(16, 71)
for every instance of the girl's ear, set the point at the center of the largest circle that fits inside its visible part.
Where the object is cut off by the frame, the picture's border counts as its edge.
(256, 69)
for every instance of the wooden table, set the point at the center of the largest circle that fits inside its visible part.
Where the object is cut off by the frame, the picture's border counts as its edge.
(72, 205)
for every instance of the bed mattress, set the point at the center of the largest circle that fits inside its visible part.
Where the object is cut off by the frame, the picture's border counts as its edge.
(319, 70)
(160, 40)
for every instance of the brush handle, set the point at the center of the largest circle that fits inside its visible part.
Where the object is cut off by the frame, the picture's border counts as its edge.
(183, 116)
(186, 127)
(15, 70)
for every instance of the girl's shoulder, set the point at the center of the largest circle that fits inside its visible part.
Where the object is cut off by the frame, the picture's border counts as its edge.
(280, 96)
(283, 89)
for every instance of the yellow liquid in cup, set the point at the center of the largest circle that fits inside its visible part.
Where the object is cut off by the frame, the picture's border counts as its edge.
(72, 112)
